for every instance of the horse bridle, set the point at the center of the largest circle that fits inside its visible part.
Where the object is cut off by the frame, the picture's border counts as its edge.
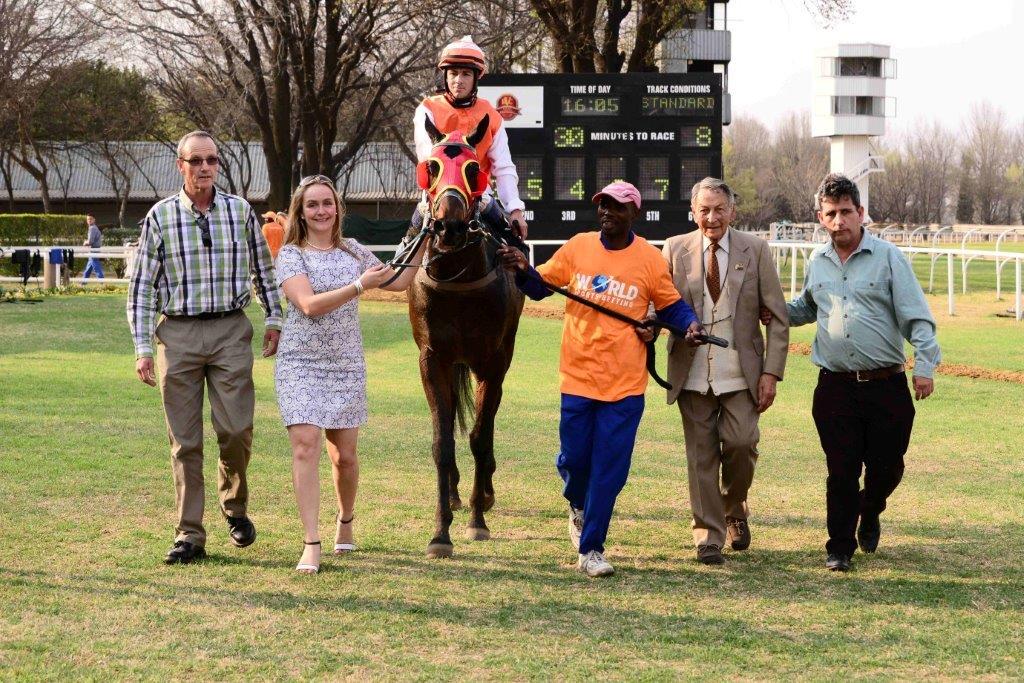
(476, 233)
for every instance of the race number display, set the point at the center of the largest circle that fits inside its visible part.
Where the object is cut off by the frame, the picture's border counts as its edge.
(572, 134)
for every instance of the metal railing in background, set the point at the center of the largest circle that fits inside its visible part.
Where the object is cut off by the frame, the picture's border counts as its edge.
(792, 254)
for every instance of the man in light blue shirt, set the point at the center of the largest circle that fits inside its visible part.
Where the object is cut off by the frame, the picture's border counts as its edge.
(866, 300)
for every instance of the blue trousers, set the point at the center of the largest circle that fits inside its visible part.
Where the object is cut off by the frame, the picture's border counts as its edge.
(93, 266)
(597, 439)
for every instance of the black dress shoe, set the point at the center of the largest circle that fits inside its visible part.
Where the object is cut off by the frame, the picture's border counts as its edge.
(868, 533)
(838, 562)
(184, 552)
(737, 532)
(242, 531)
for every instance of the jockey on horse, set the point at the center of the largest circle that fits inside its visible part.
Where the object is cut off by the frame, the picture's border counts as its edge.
(456, 107)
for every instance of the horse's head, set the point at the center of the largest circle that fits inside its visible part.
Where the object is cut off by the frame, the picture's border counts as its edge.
(453, 181)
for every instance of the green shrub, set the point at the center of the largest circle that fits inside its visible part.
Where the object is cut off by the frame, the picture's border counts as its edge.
(26, 228)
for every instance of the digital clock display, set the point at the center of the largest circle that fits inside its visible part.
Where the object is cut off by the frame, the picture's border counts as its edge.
(609, 170)
(590, 105)
(568, 137)
(531, 179)
(692, 171)
(569, 179)
(696, 136)
(653, 179)
(677, 105)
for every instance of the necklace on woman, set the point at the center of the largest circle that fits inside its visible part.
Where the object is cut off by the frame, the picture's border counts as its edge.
(313, 246)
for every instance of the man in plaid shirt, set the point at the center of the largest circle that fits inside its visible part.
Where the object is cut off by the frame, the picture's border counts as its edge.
(197, 253)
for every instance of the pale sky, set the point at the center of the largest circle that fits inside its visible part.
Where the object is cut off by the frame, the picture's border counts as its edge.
(950, 54)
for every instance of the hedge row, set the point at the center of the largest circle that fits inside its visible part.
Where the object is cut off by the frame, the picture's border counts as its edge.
(29, 228)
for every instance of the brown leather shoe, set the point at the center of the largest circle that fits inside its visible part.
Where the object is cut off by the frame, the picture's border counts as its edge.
(737, 531)
(710, 554)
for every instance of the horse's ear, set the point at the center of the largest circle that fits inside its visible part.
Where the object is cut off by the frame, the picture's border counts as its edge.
(427, 173)
(481, 130)
(435, 135)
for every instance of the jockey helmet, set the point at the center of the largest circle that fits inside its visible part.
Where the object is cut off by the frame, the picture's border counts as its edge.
(463, 52)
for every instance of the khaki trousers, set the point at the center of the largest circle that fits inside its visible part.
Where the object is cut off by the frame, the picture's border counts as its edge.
(217, 353)
(721, 451)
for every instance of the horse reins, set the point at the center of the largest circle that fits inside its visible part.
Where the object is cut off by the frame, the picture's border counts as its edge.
(656, 325)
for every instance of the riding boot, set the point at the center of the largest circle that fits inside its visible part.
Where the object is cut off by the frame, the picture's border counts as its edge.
(497, 221)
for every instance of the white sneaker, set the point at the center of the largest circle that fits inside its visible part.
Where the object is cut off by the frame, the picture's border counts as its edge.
(593, 565)
(575, 526)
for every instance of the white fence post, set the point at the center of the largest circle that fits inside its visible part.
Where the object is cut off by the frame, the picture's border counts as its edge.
(949, 281)
(792, 273)
(1016, 267)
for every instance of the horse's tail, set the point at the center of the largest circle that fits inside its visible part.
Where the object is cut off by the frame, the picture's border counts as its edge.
(462, 393)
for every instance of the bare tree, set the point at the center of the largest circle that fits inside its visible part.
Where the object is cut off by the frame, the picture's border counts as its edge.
(920, 179)
(990, 143)
(891, 192)
(35, 39)
(298, 69)
(746, 152)
(798, 164)
(932, 152)
(607, 36)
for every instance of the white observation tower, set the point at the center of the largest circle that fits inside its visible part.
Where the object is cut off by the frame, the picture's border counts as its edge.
(850, 107)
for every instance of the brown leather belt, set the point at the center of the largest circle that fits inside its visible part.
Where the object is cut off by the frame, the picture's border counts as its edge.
(216, 315)
(867, 375)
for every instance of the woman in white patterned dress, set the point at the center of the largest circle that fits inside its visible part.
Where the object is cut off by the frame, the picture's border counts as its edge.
(320, 374)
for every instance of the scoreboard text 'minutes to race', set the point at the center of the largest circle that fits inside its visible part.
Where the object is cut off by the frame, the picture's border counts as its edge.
(572, 134)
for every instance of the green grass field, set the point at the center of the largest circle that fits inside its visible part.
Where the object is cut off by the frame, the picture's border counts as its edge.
(86, 514)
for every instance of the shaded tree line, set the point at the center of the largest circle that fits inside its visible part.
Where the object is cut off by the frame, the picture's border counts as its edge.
(972, 174)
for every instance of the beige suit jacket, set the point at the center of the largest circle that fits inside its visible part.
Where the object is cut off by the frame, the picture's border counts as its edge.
(753, 282)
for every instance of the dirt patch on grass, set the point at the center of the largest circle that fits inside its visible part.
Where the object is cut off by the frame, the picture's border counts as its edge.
(951, 369)
(798, 348)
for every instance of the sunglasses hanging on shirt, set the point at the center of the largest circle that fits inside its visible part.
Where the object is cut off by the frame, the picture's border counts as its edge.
(204, 230)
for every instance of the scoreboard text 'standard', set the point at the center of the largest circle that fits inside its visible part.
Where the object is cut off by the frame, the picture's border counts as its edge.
(572, 134)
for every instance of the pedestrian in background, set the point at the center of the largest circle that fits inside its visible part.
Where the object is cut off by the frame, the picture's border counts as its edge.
(93, 241)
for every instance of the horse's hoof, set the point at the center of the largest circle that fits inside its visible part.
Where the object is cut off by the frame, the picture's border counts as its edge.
(488, 501)
(455, 504)
(478, 533)
(437, 551)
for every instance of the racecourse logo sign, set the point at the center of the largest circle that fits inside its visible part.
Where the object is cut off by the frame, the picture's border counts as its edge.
(508, 106)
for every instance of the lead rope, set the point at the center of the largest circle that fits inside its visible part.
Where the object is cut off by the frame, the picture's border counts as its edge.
(655, 325)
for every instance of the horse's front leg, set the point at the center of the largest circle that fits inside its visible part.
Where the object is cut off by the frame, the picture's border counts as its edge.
(481, 442)
(437, 383)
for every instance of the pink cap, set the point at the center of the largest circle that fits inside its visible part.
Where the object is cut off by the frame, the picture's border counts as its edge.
(620, 191)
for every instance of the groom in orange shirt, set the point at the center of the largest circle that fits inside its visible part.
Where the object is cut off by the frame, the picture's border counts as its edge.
(603, 360)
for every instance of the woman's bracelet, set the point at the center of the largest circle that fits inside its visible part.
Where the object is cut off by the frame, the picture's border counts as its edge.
(359, 286)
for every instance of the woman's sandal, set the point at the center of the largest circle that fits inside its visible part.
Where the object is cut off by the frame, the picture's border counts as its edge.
(304, 568)
(342, 548)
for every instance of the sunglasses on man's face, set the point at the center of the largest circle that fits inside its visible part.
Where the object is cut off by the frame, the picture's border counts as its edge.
(204, 230)
(196, 162)
(315, 180)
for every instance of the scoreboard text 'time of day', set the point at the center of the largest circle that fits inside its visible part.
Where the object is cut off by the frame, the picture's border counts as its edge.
(572, 134)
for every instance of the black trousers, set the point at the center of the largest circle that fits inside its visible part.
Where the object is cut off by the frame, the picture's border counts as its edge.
(860, 424)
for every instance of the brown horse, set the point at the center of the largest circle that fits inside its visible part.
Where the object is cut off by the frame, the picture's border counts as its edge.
(465, 312)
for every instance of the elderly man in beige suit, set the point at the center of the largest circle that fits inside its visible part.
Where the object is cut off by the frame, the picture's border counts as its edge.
(727, 277)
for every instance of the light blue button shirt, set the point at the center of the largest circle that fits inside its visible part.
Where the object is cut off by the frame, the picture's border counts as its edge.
(865, 308)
